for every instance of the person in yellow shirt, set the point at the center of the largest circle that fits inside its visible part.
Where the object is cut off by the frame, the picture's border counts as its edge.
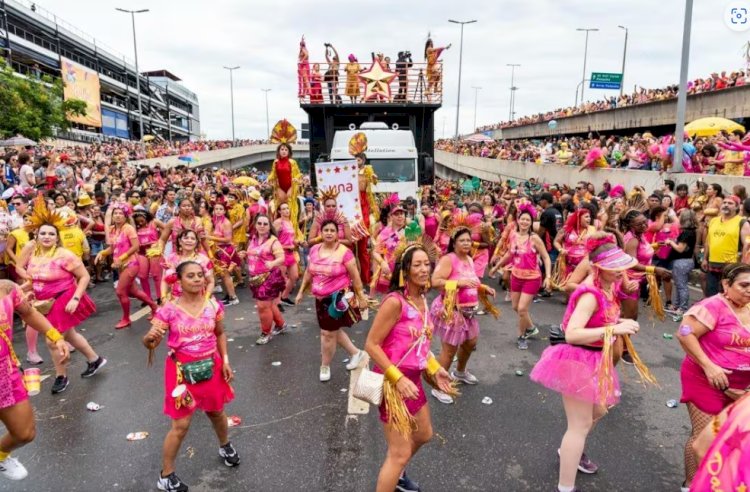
(237, 218)
(17, 239)
(727, 235)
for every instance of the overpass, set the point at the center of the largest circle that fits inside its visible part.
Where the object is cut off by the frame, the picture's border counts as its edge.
(232, 158)
(732, 103)
(454, 166)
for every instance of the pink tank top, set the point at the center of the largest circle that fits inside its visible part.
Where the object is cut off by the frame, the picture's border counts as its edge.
(431, 226)
(607, 312)
(258, 254)
(122, 244)
(286, 234)
(329, 274)
(218, 223)
(147, 235)
(525, 259)
(405, 333)
(464, 270)
(576, 246)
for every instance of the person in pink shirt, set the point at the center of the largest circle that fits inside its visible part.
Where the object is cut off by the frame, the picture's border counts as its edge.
(385, 246)
(224, 251)
(185, 250)
(285, 229)
(715, 334)
(194, 327)
(399, 344)
(149, 268)
(331, 271)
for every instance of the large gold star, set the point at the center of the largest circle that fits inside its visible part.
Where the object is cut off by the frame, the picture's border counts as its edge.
(377, 82)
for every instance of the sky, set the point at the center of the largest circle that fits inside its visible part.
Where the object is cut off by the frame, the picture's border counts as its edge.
(195, 39)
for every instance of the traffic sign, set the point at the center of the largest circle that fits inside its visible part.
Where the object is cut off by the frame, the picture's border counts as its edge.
(602, 80)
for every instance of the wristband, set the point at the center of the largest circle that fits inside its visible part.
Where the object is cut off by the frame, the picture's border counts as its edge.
(53, 335)
(76, 298)
(392, 374)
(451, 284)
(651, 270)
(122, 258)
(433, 365)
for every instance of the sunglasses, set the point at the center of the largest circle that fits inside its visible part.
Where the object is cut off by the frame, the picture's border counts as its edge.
(262, 223)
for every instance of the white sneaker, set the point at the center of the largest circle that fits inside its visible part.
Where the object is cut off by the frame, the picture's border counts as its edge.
(325, 374)
(13, 469)
(355, 360)
(442, 397)
(465, 377)
(218, 289)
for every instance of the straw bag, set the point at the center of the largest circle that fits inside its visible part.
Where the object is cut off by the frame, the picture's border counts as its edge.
(369, 385)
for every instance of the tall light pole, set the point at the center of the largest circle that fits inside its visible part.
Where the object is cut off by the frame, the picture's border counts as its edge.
(137, 72)
(511, 110)
(460, 62)
(476, 96)
(624, 54)
(268, 126)
(585, 56)
(231, 94)
(679, 133)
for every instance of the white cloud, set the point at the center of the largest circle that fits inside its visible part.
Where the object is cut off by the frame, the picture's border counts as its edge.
(194, 39)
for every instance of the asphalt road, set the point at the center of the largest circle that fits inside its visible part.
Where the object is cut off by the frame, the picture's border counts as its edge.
(296, 435)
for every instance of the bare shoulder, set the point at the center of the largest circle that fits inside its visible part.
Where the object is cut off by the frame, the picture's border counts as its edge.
(6, 287)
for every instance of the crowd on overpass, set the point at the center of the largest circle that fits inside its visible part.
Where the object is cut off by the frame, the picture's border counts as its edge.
(714, 82)
(724, 153)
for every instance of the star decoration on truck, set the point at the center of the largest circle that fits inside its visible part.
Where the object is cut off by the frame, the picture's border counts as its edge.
(377, 82)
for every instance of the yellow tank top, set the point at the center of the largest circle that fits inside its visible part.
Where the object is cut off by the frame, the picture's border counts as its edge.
(724, 238)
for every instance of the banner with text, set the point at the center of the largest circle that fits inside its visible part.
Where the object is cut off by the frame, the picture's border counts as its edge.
(82, 83)
(342, 176)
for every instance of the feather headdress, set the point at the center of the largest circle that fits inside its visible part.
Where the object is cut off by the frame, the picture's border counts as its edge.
(413, 237)
(283, 132)
(529, 208)
(391, 200)
(41, 215)
(358, 144)
(329, 193)
(462, 220)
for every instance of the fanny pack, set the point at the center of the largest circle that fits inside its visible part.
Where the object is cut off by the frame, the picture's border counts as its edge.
(256, 280)
(468, 312)
(557, 336)
(194, 372)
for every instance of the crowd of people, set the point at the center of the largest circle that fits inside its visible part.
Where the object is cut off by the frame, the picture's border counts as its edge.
(725, 153)
(715, 82)
(173, 238)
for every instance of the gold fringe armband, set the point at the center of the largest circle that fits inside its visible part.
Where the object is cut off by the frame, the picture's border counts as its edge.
(484, 298)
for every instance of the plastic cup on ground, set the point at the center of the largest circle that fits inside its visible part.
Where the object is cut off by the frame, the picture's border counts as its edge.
(32, 381)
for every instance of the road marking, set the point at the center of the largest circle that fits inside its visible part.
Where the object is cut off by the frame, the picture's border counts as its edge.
(140, 313)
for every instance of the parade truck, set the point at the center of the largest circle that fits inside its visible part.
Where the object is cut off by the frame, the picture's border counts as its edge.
(392, 152)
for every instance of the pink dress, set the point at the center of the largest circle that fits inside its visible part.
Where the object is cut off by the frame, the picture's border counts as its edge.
(191, 339)
(727, 344)
(173, 260)
(405, 333)
(387, 242)
(482, 257)
(257, 255)
(51, 278)
(431, 226)
(12, 390)
(464, 325)
(572, 369)
(225, 252)
(286, 238)
(644, 254)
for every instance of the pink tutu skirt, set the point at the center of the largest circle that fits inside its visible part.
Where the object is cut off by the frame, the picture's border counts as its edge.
(271, 288)
(12, 389)
(571, 370)
(456, 330)
(210, 395)
(64, 321)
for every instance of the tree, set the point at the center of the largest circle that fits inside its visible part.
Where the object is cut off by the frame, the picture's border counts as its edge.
(34, 107)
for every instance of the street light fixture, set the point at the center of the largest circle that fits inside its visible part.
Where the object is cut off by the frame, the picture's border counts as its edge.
(137, 72)
(585, 55)
(268, 126)
(624, 54)
(476, 92)
(679, 133)
(231, 95)
(460, 62)
(512, 111)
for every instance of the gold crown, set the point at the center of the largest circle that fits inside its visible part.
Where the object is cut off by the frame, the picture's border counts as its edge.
(41, 215)
(329, 193)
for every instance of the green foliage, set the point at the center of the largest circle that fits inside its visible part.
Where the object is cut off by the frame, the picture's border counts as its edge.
(34, 108)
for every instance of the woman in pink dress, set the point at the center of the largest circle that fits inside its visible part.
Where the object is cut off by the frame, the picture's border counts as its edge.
(124, 248)
(265, 256)
(430, 222)
(715, 334)
(149, 268)
(225, 256)
(187, 244)
(332, 271)
(481, 241)
(16, 412)
(285, 229)
(385, 247)
(399, 344)
(58, 277)
(580, 366)
(454, 310)
(526, 277)
(186, 219)
(194, 326)
(316, 85)
(571, 240)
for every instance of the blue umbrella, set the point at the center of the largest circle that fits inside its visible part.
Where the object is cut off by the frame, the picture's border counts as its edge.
(186, 158)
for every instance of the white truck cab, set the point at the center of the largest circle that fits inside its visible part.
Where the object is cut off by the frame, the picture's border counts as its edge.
(391, 152)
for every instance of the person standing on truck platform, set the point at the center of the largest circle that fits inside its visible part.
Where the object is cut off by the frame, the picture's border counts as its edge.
(332, 74)
(367, 179)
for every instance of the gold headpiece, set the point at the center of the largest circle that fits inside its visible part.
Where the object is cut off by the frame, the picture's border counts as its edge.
(283, 132)
(329, 193)
(358, 144)
(413, 238)
(462, 220)
(41, 215)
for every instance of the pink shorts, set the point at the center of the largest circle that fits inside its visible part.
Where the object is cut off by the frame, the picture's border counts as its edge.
(529, 286)
(697, 390)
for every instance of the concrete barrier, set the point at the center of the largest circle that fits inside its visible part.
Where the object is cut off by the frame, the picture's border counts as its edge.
(231, 158)
(729, 103)
(450, 165)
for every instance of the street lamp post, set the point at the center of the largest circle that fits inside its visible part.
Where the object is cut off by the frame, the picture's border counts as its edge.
(460, 62)
(476, 96)
(268, 126)
(511, 110)
(679, 133)
(231, 95)
(585, 56)
(137, 72)
(624, 54)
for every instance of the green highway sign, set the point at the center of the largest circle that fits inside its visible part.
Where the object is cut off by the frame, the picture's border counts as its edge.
(602, 80)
